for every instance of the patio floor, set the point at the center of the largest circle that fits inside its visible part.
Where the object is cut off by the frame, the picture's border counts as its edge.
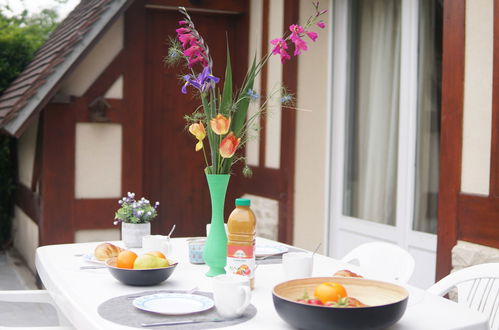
(15, 275)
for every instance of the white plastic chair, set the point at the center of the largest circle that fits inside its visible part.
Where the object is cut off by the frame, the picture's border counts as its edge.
(383, 260)
(34, 296)
(477, 288)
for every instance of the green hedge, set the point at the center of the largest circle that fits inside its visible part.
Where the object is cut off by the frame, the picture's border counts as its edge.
(20, 37)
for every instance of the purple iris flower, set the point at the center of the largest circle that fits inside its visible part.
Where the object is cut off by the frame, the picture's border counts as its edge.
(201, 82)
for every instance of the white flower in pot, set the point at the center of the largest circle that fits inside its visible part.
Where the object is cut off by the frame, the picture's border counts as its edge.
(135, 217)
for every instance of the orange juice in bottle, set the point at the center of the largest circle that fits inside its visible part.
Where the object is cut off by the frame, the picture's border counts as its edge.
(241, 240)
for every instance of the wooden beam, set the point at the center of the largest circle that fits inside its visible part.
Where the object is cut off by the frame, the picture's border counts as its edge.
(29, 202)
(37, 164)
(58, 173)
(95, 213)
(494, 152)
(263, 82)
(451, 133)
(288, 134)
(133, 93)
(479, 220)
(208, 6)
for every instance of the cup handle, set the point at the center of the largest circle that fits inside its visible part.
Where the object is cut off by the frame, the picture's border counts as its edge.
(247, 299)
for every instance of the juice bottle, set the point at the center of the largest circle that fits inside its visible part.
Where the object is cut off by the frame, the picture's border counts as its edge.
(241, 240)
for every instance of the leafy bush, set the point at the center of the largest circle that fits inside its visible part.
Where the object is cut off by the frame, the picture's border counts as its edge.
(20, 37)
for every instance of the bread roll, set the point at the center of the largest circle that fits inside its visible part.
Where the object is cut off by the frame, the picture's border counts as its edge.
(105, 251)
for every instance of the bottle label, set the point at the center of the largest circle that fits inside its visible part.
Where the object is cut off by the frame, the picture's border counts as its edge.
(241, 260)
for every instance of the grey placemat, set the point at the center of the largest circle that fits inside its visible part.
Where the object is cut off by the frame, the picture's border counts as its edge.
(277, 259)
(121, 310)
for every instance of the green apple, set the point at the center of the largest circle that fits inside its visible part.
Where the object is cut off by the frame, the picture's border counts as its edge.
(147, 261)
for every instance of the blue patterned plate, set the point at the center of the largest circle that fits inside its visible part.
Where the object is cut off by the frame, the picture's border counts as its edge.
(173, 303)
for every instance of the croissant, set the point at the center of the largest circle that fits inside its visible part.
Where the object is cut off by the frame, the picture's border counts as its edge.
(105, 251)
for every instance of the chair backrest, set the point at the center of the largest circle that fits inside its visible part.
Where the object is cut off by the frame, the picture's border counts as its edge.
(383, 260)
(477, 288)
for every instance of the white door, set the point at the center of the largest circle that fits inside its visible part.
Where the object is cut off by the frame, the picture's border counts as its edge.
(385, 127)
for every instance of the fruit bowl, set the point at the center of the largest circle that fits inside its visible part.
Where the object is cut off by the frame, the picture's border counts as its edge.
(387, 303)
(140, 277)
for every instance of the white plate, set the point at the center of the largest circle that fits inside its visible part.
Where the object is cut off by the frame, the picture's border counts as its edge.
(269, 250)
(90, 257)
(173, 303)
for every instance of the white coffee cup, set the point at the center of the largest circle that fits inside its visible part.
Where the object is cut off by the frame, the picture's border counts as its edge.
(297, 265)
(157, 243)
(232, 295)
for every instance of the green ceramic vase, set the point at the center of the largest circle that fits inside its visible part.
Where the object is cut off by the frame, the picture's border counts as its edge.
(215, 249)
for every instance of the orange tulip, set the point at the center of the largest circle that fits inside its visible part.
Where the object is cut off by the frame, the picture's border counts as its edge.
(228, 146)
(220, 124)
(199, 132)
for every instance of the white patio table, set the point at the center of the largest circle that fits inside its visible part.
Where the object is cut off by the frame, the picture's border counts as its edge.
(78, 293)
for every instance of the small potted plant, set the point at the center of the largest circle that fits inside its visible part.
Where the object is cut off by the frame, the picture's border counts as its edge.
(135, 217)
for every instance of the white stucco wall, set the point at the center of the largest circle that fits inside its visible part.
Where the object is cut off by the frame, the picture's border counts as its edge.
(96, 61)
(255, 51)
(311, 137)
(24, 230)
(25, 235)
(26, 146)
(97, 235)
(98, 160)
(274, 82)
(477, 108)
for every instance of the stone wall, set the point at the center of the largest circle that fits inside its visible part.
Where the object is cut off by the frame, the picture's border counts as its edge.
(466, 254)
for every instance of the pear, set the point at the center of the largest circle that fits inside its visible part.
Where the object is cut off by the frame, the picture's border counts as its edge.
(147, 261)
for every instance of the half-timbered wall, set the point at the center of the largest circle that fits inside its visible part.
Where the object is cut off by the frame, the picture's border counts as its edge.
(98, 146)
(25, 228)
(468, 202)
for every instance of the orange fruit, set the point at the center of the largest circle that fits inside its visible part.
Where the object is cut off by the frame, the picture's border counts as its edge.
(329, 291)
(156, 254)
(126, 259)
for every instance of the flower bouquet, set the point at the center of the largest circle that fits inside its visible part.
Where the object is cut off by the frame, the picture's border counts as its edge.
(222, 117)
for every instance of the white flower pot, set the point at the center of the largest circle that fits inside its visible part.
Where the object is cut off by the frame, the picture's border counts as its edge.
(132, 233)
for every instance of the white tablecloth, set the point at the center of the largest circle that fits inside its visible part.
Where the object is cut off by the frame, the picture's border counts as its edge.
(78, 293)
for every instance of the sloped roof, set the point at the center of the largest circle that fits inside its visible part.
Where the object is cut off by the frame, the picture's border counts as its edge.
(39, 81)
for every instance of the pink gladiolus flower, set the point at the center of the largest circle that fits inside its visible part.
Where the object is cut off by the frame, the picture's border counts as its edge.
(312, 35)
(186, 39)
(199, 132)
(284, 56)
(192, 51)
(197, 59)
(300, 45)
(182, 30)
(182, 22)
(321, 24)
(295, 30)
(279, 44)
(228, 146)
(220, 124)
(280, 47)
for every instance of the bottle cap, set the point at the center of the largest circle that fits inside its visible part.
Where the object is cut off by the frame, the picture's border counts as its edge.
(243, 202)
